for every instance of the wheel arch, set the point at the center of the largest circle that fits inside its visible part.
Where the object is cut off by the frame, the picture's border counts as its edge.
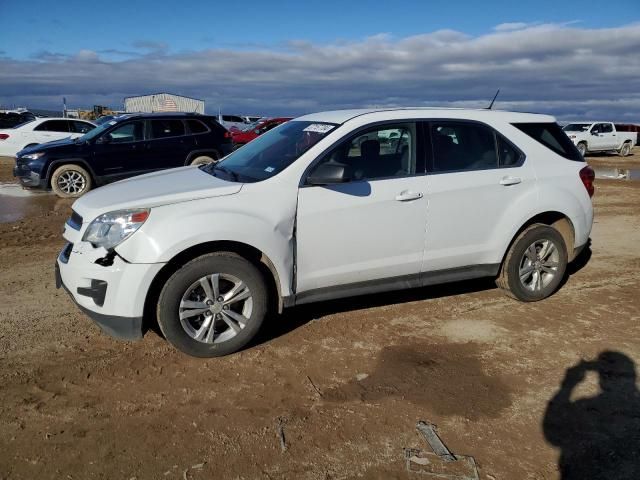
(71, 161)
(248, 252)
(558, 220)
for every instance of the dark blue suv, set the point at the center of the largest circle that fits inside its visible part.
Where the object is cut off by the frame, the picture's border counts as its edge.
(123, 147)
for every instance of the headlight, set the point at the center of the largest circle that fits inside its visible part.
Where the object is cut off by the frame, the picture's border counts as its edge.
(33, 156)
(113, 228)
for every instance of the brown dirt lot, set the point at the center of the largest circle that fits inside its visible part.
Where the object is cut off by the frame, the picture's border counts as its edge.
(347, 380)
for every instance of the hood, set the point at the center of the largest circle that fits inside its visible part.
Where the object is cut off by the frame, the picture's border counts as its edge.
(43, 147)
(152, 190)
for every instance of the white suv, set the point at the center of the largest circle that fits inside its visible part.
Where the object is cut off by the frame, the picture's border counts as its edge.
(329, 205)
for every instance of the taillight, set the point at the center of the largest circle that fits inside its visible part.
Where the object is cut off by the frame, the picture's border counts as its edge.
(4, 136)
(587, 175)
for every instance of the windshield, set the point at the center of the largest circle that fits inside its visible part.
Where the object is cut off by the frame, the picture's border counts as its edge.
(23, 123)
(577, 127)
(271, 152)
(250, 127)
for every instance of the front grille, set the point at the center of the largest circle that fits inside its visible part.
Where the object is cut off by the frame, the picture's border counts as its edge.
(66, 252)
(75, 221)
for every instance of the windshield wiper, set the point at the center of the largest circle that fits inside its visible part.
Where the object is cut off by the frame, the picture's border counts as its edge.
(233, 175)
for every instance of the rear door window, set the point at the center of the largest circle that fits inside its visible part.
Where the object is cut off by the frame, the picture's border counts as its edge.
(553, 137)
(462, 146)
(166, 128)
(53, 126)
(606, 128)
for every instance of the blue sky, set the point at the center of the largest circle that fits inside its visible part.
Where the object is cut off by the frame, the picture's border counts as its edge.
(29, 27)
(569, 58)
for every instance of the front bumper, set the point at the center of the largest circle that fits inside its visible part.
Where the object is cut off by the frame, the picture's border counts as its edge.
(113, 296)
(28, 177)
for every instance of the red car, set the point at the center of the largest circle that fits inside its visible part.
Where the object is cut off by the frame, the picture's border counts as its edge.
(240, 137)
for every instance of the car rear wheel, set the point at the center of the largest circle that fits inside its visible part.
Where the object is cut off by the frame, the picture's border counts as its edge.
(205, 159)
(213, 306)
(582, 148)
(535, 264)
(70, 181)
(625, 150)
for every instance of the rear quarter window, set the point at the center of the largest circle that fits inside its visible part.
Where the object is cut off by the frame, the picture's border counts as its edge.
(196, 126)
(553, 137)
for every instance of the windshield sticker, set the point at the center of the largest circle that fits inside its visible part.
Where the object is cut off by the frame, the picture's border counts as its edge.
(318, 128)
(269, 169)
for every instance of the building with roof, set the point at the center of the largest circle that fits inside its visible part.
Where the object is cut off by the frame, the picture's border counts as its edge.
(163, 102)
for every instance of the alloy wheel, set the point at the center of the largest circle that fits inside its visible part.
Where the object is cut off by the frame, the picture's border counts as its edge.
(539, 265)
(72, 182)
(215, 308)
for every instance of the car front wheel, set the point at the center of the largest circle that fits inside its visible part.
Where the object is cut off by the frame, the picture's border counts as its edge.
(535, 264)
(213, 305)
(70, 181)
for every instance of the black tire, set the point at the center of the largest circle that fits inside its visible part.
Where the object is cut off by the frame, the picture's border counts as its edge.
(223, 263)
(582, 148)
(61, 183)
(509, 276)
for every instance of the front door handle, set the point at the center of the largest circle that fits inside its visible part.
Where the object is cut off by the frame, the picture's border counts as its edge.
(508, 180)
(407, 196)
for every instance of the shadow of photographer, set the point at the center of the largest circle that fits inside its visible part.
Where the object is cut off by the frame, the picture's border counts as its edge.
(599, 436)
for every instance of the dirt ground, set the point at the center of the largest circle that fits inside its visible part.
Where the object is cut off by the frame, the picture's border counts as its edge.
(345, 382)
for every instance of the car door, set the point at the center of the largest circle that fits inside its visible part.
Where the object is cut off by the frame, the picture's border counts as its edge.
(169, 145)
(51, 130)
(597, 140)
(474, 175)
(120, 152)
(368, 232)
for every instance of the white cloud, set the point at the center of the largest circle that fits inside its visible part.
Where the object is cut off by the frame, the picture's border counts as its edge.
(558, 69)
(509, 26)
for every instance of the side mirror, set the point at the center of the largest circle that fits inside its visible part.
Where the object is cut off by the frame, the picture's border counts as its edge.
(104, 139)
(594, 132)
(330, 174)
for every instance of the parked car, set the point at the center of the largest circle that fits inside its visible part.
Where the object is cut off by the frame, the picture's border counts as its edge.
(123, 147)
(12, 119)
(305, 213)
(600, 137)
(253, 131)
(40, 130)
(252, 118)
(232, 122)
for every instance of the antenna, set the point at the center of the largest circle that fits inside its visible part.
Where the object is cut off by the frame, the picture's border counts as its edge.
(494, 99)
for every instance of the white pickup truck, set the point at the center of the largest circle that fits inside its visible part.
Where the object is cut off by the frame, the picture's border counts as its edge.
(600, 137)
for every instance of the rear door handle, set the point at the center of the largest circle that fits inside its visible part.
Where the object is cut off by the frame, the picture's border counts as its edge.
(407, 196)
(508, 180)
